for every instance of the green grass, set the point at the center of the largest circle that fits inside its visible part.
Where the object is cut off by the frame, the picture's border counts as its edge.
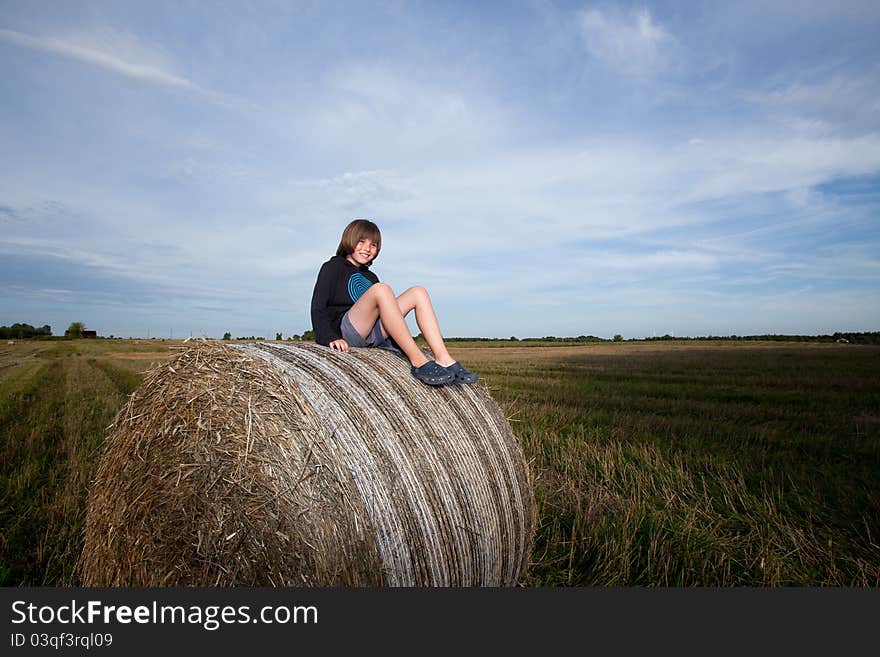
(55, 403)
(723, 466)
(654, 464)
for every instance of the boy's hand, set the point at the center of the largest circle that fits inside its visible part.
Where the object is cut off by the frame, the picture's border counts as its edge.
(339, 345)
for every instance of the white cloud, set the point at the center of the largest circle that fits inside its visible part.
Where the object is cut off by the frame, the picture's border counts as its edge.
(659, 260)
(533, 203)
(92, 53)
(631, 43)
(121, 53)
(360, 190)
(757, 164)
(630, 186)
(840, 104)
(369, 114)
(212, 171)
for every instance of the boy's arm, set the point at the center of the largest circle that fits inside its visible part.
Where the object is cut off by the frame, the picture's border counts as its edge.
(324, 332)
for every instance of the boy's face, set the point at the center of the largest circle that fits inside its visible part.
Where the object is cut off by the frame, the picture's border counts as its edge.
(363, 253)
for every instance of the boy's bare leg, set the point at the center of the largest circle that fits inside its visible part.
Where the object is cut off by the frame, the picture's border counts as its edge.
(379, 302)
(417, 298)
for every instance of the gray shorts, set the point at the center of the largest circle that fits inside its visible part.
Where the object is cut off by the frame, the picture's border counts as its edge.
(374, 339)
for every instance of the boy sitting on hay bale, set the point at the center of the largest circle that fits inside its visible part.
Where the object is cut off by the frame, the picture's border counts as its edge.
(351, 308)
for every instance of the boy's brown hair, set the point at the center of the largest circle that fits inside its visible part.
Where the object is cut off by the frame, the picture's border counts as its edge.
(356, 231)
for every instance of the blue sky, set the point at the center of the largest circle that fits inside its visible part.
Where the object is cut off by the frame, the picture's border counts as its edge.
(543, 168)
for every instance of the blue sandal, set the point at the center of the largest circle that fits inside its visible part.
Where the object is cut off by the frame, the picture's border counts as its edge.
(432, 374)
(461, 374)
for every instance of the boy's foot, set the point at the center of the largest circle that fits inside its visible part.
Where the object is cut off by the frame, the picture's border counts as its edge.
(460, 373)
(432, 374)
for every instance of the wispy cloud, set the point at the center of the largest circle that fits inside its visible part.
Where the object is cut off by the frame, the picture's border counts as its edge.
(631, 43)
(90, 54)
(391, 111)
(358, 190)
(840, 104)
(123, 54)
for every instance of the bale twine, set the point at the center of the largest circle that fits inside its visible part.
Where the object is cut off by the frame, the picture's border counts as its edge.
(269, 465)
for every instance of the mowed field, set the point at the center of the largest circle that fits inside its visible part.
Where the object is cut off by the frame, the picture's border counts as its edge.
(654, 463)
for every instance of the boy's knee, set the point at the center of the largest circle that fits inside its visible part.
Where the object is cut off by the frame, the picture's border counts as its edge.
(381, 288)
(418, 289)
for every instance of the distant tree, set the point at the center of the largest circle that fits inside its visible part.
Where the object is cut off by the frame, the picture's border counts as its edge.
(308, 335)
(513, 338)
(618, 337)
(278, 336)
(296, 337)
(227, 335)
(75, 330)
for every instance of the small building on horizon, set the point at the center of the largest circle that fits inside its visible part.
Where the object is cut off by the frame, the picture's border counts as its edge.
(83, 334)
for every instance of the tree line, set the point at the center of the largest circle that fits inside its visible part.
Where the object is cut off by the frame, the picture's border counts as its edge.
(22, 331)
(306, 336)
(25, 331)
(864, 337)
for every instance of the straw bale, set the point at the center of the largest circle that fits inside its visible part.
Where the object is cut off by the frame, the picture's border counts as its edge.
(294, 465)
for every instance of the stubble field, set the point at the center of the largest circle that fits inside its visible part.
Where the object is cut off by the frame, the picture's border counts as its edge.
(654, 463)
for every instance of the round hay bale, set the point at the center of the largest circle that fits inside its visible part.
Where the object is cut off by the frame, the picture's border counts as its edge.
(294, 465)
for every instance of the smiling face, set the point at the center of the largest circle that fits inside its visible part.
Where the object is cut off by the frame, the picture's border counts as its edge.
(364, 252)
(361, 242)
